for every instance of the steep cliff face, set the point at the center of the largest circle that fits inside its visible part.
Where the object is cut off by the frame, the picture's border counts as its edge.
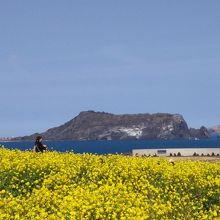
(200, 133)
(90, 125)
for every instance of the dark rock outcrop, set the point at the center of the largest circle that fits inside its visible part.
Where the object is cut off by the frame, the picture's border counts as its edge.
(90, 125)
(200, 133)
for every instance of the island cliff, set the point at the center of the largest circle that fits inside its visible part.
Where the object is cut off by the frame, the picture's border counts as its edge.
(91, 125)
(215, 131)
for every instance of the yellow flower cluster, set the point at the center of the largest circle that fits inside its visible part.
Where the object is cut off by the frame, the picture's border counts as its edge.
(84, 186)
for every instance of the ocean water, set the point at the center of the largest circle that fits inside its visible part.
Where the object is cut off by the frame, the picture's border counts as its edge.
(112, 147)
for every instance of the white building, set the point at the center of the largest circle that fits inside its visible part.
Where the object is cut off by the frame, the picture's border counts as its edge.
(176, 151)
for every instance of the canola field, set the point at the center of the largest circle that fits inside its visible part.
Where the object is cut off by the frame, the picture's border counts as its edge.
(84, 186)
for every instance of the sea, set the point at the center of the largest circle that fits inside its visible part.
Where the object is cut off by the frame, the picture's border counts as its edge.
(114, 147)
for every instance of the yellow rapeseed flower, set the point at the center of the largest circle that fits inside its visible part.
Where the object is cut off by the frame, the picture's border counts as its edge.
(85, 186)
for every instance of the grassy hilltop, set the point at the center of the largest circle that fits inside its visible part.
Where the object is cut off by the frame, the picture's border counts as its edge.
(72, 186)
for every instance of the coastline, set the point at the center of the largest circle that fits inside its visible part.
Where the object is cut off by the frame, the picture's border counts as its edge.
(117, 147)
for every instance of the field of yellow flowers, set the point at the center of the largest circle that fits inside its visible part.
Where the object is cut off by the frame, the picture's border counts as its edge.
(84, 186)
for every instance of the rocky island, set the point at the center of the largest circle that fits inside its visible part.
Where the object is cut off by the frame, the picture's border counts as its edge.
(215, 131)
(91, 125)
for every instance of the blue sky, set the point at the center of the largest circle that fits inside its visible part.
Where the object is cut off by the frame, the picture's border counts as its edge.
(58, 58)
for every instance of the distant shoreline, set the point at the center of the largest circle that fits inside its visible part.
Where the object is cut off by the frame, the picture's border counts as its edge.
(116, 147)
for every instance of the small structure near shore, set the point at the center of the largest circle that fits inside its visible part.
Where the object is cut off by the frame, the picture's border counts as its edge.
(177, 152)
